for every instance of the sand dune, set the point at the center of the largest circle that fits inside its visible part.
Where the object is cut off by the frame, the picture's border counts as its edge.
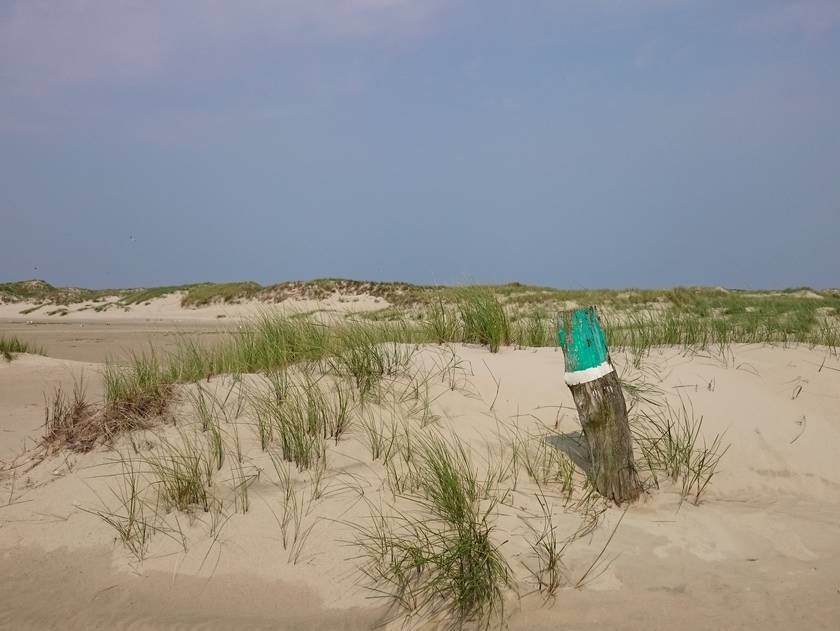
(760, 551)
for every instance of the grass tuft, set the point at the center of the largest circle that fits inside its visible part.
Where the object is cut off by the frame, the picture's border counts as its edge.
(183, 471)
(9, 346)
(672, 445)
(68, 419)
(366, 358)
(484, 319)
(140, 389)
(534, 331)
(441, 561)
(442, 323)
(72, 422)
(299, 413)
(132, 521)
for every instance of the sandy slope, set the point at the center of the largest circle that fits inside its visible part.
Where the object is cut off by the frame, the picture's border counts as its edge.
(168, 309)
(24, 385)
(761, 551)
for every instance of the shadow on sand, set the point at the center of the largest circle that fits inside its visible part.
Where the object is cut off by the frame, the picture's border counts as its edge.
(573, 444)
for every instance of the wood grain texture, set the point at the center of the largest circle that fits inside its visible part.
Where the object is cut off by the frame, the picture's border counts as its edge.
(603, 415)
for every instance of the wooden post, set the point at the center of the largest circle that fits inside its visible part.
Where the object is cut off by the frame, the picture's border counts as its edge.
(600, 403)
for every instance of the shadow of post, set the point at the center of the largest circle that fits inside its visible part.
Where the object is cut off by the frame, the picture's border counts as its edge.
(574, 446)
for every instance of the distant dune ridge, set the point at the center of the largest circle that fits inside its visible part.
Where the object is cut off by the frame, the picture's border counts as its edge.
(37, 299)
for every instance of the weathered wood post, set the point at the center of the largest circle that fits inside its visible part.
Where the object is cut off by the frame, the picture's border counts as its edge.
(600, 403)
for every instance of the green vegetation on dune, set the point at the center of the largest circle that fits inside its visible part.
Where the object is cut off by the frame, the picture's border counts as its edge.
(10, 345)
(358, 349)
(491, 315)
(440, 560)
(195, 295)
(401, 296)
(41, 291)
(140, 296)
(199, 295)
(484, 319)
(688, 330)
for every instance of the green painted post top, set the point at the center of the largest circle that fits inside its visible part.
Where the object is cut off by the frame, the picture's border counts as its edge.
(582, 339)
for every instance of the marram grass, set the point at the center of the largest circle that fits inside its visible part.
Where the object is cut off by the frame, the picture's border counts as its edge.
(9, 346)
(369, 351)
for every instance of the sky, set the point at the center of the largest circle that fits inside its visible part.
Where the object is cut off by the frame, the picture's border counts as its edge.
(569, 143)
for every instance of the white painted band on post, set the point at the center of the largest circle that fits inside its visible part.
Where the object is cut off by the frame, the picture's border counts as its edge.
(590, 374)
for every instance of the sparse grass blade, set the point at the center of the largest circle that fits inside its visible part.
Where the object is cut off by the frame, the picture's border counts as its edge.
(671, 442)
(182, 470)
(547, 549)
(132, 520)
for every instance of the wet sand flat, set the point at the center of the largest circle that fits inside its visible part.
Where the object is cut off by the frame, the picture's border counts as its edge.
(98, 341)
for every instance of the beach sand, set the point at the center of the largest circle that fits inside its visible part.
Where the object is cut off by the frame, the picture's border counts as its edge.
(760, 551)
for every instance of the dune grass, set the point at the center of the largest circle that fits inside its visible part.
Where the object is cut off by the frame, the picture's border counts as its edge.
(368, 352)
(442, 560)
(141, 388)
(364, 351)
(367, 355)
(535, 330)
(42, 292)
(134, 522)
(434, 549)
(266, 343)
(299, 412)
(672, 445)
(73, 422)
(69, 419)
(442, 323)
(639, 333)
(380, 433)
(693, 319)
(295, 505)
(141, 296)
(549, 571)
(402, 297)
(545, 464)
(183, 470)
(9, 346)
(484, 319)
(33, 309)
(209, 293)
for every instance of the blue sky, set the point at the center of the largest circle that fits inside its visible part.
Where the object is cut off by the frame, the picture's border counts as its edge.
(573, 143)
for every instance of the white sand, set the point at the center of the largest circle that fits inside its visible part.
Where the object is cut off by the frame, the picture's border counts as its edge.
(762, 551)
